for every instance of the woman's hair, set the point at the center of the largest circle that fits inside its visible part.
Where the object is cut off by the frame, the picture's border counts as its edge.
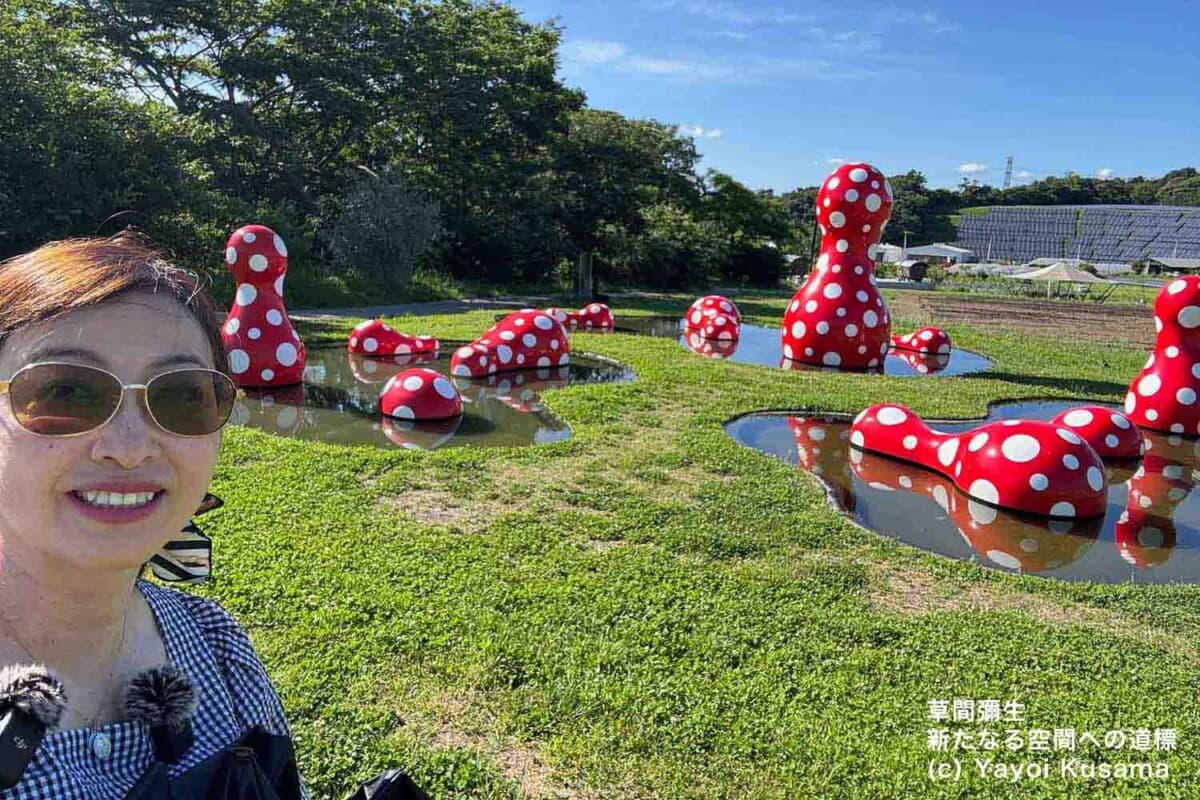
(65, 276)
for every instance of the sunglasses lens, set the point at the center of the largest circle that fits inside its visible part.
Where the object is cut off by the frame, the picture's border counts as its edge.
(62, 399)
(191, 402)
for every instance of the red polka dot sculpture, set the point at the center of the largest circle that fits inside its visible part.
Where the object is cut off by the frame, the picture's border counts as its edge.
(517, 390)
(1013, 541)
(525, 339)
(1026, 465)
(838, 318)
(378, 339)
(922, 363)
(594, 316)
(714, 317)
(1163, 395)
(420, 434)
(1110, 433)
(923, 340)
(420, 393)
(263, 348)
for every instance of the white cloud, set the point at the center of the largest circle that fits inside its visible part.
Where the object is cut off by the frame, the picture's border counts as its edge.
(972, 168)
(700, 132)
(1023, 173)
(1104, 172)
(731, 13)
(835, 162)
(589, 51)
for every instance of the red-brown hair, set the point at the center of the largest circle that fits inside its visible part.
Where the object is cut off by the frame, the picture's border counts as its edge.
(64, 276)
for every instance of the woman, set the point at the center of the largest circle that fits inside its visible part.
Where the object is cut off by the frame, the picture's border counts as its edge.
(94, 479)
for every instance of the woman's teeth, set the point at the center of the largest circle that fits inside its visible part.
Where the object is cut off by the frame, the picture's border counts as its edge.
(115, 498)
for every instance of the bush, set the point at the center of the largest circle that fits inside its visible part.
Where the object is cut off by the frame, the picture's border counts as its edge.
(383, 225)
(752, 264)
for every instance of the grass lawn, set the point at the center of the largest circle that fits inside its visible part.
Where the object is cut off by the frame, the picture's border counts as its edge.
(652, 610)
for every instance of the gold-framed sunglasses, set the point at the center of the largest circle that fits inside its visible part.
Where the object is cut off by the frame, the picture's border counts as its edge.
(53, 398)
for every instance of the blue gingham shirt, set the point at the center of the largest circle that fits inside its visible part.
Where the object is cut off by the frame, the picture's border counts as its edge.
(232, 690)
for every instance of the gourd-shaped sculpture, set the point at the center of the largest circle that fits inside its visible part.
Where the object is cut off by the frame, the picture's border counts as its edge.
(1164, 396)
(838, 318)
(263, 348)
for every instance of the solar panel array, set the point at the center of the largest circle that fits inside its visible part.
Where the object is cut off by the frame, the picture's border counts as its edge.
(1090, 233)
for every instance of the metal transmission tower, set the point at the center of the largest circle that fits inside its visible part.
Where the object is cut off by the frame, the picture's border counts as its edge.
(1008, 173)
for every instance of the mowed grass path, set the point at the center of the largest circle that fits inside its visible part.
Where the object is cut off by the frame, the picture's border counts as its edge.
(651, 610)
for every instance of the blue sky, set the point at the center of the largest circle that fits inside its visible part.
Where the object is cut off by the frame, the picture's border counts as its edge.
(775, 93)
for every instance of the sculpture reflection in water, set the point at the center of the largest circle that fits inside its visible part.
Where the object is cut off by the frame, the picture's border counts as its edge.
(338, 403)
(713, 348)
(1150, 530)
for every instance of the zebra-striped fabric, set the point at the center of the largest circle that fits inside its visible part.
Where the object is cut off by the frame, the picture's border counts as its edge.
(187, 558)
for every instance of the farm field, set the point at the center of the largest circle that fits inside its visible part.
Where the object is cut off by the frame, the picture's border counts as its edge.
(649, 610)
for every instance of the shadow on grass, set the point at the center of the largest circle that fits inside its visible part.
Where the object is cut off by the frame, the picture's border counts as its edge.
(1071, 385)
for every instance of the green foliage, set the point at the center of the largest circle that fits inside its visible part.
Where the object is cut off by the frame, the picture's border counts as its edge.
(671, 249)
(383, 227)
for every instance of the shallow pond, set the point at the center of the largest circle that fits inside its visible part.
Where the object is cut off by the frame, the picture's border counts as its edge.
(339, 403)
(1149, 534)
(759, 345)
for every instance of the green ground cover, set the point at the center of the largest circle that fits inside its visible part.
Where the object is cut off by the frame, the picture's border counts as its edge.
(651, 610)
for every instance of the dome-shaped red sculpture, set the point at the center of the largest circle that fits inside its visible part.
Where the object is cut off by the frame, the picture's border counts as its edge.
(595, 316)
(1027, 465)
(420, 393)
(1012, 541)
(525, 339)
(1163, 397)
(714, 317)
(378, 339)
(1110, 433)
(923, 340)
(838, 318)
(263, 348)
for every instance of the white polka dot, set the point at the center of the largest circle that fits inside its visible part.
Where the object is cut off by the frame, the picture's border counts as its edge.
(279, 286)
(861, 295)
(1151, 414)
(254, 333)
(832, 359)
(1111, 440)
(1172, 351)
(528, 339)
(873, 202)
(1131, 401)
(1038, 482)
(413, 383)
(841, 312)
(984, 490)
(842, 245)
(464, 352)
(794, 306)
(232, 326)
(810, 306)
(1020, 448)
(833, 182)
(977, 441)
(1177, 286)
(890, 415)
(822, 327)
(239, 361)
(788, 352)
(370, 344)
(445, 388)
(1095, 478)
(852, 330)
(1186, 396)
(258, 262)
(1062, 509)
(858, 174)
(504, 353)
(230, 255)
(280, 247)
(833, 290)
(910, 442)
(268, 374)
(799, 329)
(1149, 385)
(870, 319)
(851, 195)
(872, 251)
(1070, 462)
(246, 294)
(274, 317)
(1196, 370)
(1190, 317)
(1078, 418)
(543, 322)
(461, 369)
(286, 354)
(403, 412)
(1121, 421)
(544, 361)
(947, 451)
(856, 438)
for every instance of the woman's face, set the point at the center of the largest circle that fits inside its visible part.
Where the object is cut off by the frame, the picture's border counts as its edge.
(135, 337)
